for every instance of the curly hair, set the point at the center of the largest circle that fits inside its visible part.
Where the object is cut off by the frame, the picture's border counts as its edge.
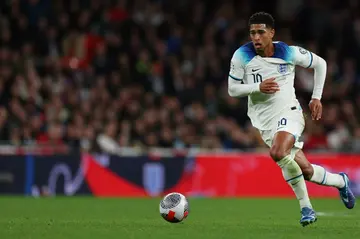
(262, 18)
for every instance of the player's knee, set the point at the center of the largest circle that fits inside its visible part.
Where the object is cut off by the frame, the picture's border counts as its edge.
(307, 171)
(277, 152)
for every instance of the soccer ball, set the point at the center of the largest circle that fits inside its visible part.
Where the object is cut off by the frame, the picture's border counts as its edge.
(174, 207)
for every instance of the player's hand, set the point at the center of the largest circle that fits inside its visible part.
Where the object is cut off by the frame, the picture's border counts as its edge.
(316, 109)
(269, 86)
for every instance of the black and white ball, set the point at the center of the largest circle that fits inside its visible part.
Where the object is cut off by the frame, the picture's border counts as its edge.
(174, 207)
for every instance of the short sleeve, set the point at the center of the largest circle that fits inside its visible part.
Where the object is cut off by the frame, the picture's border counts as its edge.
(236, 68)
(301, 56)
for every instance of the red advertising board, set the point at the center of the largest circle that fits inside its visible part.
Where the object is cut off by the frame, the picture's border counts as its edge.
(215, 175)
(256, 175)
(224, 175)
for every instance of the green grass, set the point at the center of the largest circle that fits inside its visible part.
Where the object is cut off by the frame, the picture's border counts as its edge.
(86, 217)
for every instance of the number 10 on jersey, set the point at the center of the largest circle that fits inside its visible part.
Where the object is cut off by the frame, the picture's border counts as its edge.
(257, 78)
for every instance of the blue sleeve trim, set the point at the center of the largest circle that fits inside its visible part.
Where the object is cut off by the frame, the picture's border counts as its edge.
(235, 78)
(311, 59)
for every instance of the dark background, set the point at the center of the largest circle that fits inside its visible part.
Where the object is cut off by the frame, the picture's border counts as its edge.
(105, 75)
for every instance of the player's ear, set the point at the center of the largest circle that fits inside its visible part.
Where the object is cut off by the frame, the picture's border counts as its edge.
(272, 32)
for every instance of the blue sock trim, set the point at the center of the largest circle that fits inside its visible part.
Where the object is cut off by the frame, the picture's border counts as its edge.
(323, 181)
(294, 178)
(345, 180)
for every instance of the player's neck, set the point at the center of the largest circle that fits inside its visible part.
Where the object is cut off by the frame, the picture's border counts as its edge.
(268, 51)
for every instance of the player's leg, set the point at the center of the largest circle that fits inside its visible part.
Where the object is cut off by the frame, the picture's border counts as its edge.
(281, 152)
(317, 174)
(284, 147)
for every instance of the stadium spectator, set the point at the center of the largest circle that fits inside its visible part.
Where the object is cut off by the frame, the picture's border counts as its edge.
(104, 75)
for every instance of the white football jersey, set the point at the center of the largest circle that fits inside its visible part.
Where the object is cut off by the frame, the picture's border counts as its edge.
(249, 68)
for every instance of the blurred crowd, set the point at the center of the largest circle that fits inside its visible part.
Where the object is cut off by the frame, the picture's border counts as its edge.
(103, 75)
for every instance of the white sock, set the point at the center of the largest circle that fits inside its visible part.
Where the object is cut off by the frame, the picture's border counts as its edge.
(322, 177)
(293, 175)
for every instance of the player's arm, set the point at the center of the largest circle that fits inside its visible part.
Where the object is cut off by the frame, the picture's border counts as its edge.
(268, 86)
(319, 65)
(238, 89)
(236, 86)
(309, 59)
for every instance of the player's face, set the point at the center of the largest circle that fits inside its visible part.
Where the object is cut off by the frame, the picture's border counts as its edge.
(261, 36)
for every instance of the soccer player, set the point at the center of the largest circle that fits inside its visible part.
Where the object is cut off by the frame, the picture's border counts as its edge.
(264, 70)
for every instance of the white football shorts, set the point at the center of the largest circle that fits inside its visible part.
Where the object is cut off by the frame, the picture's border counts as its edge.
(291, 121)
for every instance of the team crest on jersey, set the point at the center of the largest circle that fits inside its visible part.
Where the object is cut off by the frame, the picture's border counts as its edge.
(282, 68)
(302, 50)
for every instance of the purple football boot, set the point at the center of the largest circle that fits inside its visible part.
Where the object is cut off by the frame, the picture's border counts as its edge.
(346, 194)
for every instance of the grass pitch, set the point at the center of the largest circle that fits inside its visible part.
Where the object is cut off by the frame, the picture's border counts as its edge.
(86, 217)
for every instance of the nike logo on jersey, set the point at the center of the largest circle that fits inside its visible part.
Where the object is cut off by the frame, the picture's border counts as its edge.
(253, 70)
